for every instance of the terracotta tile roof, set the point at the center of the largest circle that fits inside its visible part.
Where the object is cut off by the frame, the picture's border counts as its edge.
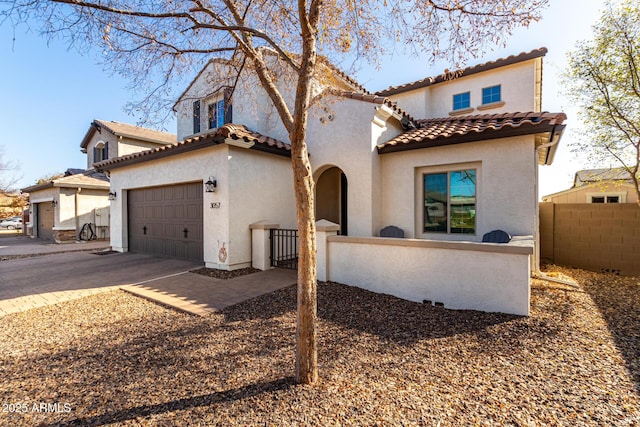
(129, 131)
(90, 179)
(454, 130)
(232, 132)
(380, 100)
(428, 81)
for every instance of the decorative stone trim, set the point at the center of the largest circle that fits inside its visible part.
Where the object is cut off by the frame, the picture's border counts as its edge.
(461, 112)
(490, 105)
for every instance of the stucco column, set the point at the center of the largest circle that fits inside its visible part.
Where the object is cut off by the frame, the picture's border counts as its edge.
(324, 229)
(260, 248)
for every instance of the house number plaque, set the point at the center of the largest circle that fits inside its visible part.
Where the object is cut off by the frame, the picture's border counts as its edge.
(215, 205)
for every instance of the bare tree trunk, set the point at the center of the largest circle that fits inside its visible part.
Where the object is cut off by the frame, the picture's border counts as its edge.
(306, 340)
(307, 358)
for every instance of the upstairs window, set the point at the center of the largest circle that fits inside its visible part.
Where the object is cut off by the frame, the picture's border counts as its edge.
(491, 95)
(220, 111)
(101, 152)
(450, 202)
(461, 101)
(196, 117)
(216, 114)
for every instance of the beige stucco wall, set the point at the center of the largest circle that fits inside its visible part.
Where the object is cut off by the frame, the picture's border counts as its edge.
(35, 197)
(251, 187)
(117, 146)
(518, 87)
(505, 189)
(102, 137)
(580, 194)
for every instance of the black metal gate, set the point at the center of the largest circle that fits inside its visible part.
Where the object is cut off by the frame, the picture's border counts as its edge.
(284, 248)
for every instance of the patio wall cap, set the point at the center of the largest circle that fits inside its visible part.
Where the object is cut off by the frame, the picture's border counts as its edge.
(326, 226)
(264, 225)
(523, 245)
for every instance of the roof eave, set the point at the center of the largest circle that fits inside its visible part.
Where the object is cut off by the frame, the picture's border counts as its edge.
(524, 129)
(468, 71)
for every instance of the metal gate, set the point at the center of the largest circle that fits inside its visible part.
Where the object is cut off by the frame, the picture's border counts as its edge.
(284, 248)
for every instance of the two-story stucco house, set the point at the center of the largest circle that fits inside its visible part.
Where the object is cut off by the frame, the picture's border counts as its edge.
(77, 203)
(445, 159)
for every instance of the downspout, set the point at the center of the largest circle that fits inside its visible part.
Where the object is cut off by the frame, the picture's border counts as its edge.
(76, 197)
(535, 271)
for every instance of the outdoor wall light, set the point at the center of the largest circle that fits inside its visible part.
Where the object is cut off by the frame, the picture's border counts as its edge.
(211, 185)
(54, 203)
(112, 195)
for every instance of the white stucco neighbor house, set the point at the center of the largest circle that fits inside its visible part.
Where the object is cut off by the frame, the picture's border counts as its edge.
(76, 205)
(443, 160)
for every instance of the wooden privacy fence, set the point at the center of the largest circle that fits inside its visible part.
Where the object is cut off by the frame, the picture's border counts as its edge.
(596, 237)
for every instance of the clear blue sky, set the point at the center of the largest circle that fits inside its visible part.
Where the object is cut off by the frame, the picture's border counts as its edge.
(50, 94)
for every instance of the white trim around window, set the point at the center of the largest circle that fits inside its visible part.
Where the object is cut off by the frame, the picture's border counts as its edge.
(607, 197)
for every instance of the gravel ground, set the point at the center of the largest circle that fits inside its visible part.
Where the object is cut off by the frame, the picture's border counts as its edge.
(114, 359)
(225, 274)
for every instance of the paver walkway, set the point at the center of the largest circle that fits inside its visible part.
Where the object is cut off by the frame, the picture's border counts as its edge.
(198, 294)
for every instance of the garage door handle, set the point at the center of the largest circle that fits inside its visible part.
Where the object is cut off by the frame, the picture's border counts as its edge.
(185, 231)
(144, 229)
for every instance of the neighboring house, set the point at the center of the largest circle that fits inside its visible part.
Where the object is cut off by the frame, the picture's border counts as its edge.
(593, 225)
(613, 185)
(76, 205)
(418, 157)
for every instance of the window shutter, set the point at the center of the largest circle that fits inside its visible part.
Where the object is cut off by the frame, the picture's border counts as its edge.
(95, 155)
(196, 116)
(105, 152)
(228, 112)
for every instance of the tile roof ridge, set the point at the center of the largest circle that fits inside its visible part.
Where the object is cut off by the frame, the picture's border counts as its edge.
(449, 75)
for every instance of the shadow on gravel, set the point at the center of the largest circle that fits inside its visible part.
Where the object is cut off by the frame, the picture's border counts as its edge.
(618, 299)
(388, 317)
(143, 411)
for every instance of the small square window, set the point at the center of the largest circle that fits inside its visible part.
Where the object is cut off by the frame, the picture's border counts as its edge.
(461, 101)
(491, 95)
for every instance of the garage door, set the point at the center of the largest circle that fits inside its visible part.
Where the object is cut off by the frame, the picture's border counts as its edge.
(167, 221)
(45, 220)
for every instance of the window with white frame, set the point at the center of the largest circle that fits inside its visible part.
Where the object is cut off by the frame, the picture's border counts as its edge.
(219, 110)
(449, 199)
(100, 152)
(606, 198)
(216, 114)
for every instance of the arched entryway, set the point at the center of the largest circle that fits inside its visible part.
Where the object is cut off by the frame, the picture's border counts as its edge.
(331, 197)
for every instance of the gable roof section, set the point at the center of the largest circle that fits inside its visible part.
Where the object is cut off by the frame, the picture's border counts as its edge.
(460, 129)
(231, 134)
(446, 76)
(350, 81)
(90, 179)
(380, 100)
(128, 131)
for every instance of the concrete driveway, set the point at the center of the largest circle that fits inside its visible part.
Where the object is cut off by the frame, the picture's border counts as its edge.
(36, 281)
(41, 280)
